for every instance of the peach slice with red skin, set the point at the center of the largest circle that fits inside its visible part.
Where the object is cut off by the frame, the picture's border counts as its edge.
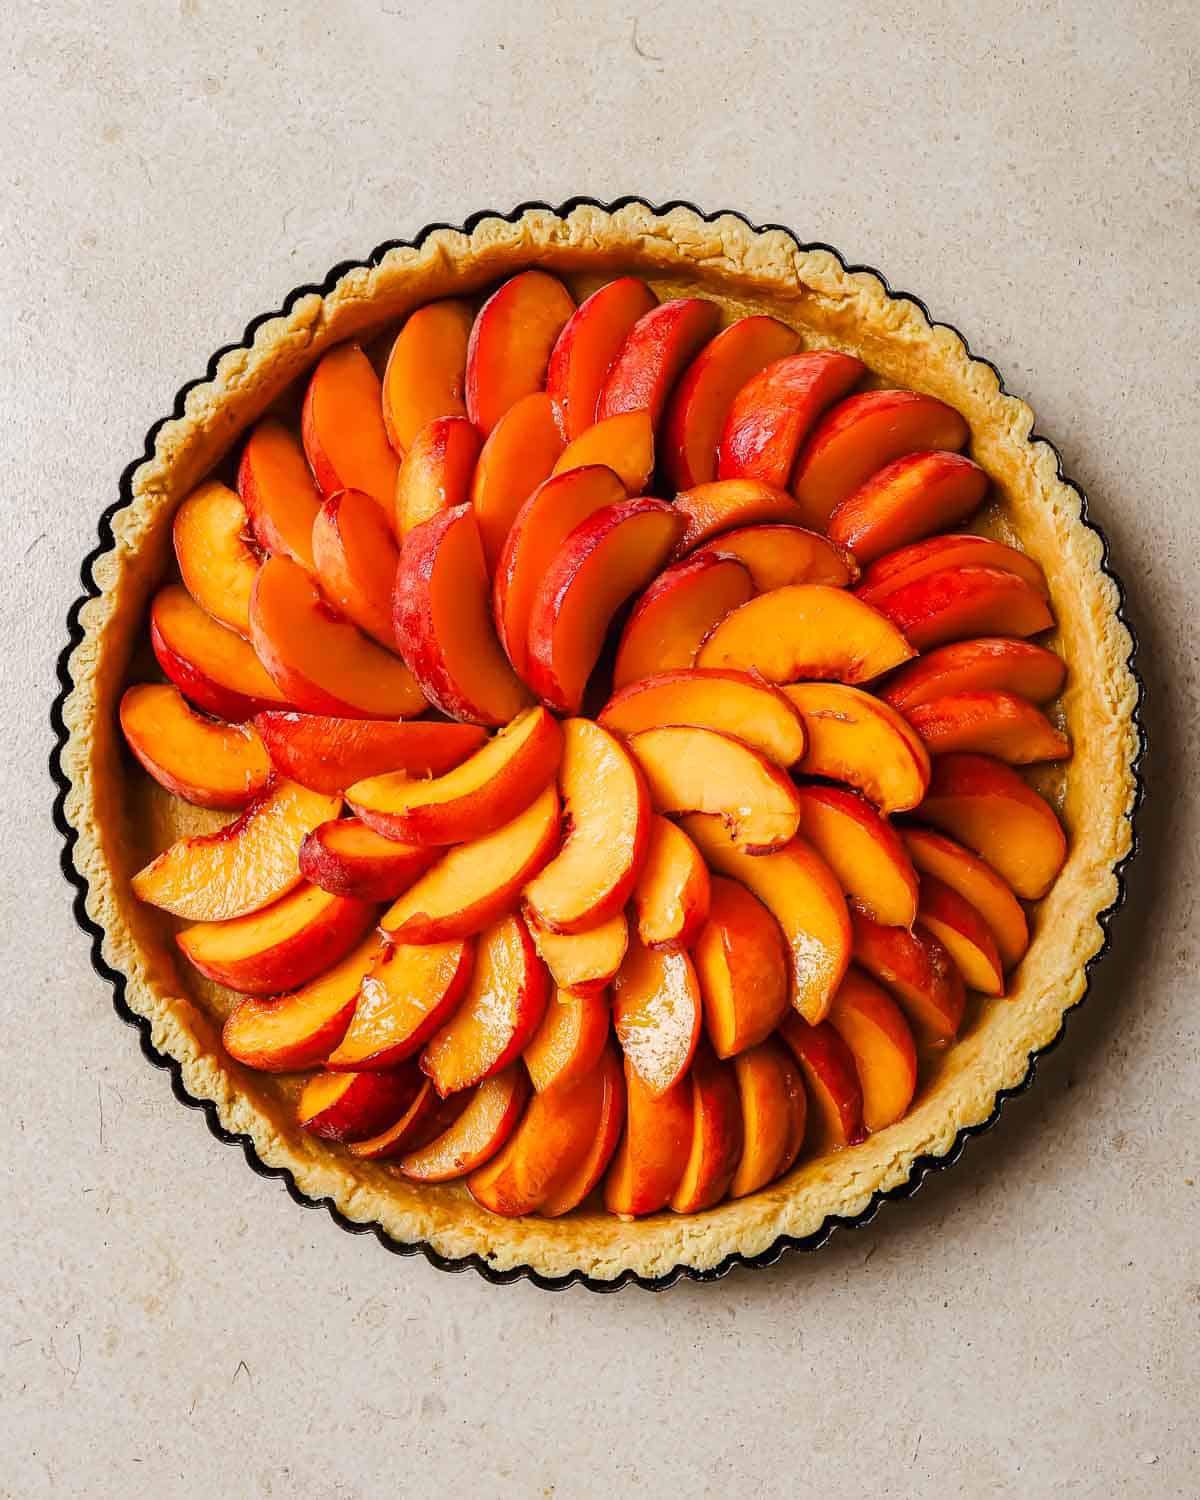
(356, 558)
(280, 947)
(777, 554)
(568, 1043)
(856, 738)
(408, 994)
(731, 505)
(656, 1014)
(589, 342)
(835, 1096)
(509, 349)
(330, 754)
(907, 500)
(732, 702)
(951, 550)
(342, 427)
(475, 884)
(862, 434)
(873, 1027)
(976, 882)
(436, 472)
(656, 351)
(423, 1119)
(990, 723)
(717, 1135)
(774, 1110)
(355, 1106)
(671, 619)
(520, 453)
(444, 625)
(276, 487)
(209, 663)
(963, 933)
(807, 630)
(917, 970)
(695, 416)
(583, 963)
(742, 963)
(614, 553)
(863, 850)
(771, 414)
(571, 1188)
(624, 444)
(959, 602)
(206, 763)
(985, 805)
(671, 897)
(242, 867)
(426, 372)
(217, 567)
(347, 858)
(997, 664)
(654, 1149)
(492, 1112)
(490, 788)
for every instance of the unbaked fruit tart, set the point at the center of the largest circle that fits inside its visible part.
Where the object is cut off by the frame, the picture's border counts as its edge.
(600, 743)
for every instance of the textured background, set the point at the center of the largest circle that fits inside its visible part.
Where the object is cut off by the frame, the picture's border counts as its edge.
(171, 1324)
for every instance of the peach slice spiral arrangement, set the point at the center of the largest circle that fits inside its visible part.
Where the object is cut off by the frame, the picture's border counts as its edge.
(640, 774)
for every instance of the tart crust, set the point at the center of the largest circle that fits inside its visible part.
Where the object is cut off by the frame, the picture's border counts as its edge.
(749, 270)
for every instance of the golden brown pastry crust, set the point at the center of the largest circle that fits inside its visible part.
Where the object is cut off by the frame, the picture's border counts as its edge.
(749, 270)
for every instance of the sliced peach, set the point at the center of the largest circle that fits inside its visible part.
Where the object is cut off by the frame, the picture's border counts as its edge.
(607, 826)
(444, 625)
(217, 566)
(242, 867)
(323, 663)
(964, 934)
(492, 787)
(589, 342)
(568, 1043)
(731, 505)
(801, 892)
(511, 342)
(862, 434)
(918, 971)
(354, 1106)
(873, 1027)
(624, 444)
(205, 762)
(774, 1109)
(520, 454)
(350, 859)
(859, 739)
(543, 524)
(907, 500)
(658, 348)
(409, 993)
(953, 550)
(426, 372)
(423, 1119)
(281, 947)
(654, 1149)
(492, 1113)
(356, 558)
(992, 723)
(985, 805)
(583, 963)
(835, 1096)
(342, 426)
(696, 415)
(733, 702)
(716, 1135)
(995, 664)
(207, 662)
(773, 412)
(965, 601)
(700, 770)
(742, 963)
(863, 850)
(976, 882)
(571, 1188)
(778, 555)
(671, 897)
(436, 472)
(671, 619)
(656, 1013)
(612, 554)
(330, 754)
(276, 487)
(474, 884)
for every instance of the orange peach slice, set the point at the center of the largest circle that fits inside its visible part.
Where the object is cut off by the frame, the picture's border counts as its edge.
(716, 1135)
(696, 414)
(444, 626)
(423, 1119)
(342, 426)
(204, 762)
(409, 993)
(426, 372)
(935, 854)
(985, 805)
(742, 962)
(835, 1097)
(671, 897)
(700, 770)
(492, 1113)
(964, 934)
(242, 867)
(624, 444)
(612, 554)
(907, 500)
(873, 1027)
(953, 550)
(474, 884)
(436, 472)
(863, 850)
(568, 1043)
(356, 559)
(955, 603)
(999, 724)
(217, 567)
(571, 1188)
(774, 1109)
(807, 630)
(862, 434)
(511, 342)
(607, 827)
(731, 505)
(732, 702)
(589, 342)
(492, 787)
(675, 614)
(277, 489)
(281, 947)
(772, 413)
(918, 971)
(207, 662)
(778, 555)
(996, 664)
(542, 525)
(354, 1106)
(583, 963)
(350, 859)
(330, 754)
(800, 890)
(658, 348)
(656, 1013)
(323, 663)
(519, 454)
(858, 739)
(654, 1149)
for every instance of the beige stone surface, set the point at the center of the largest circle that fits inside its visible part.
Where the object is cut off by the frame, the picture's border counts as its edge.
(171, 1324)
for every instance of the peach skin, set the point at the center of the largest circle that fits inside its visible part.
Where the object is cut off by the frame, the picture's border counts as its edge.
(918, 971)
(656, 351)
(589, 342)
(356, 558)
(990, 723)
(354, 1106)
(951, 550)
(675, 614)
(963, 933)
(956, 603)
(510, 344)
(907, 500)
(976, 882)
(777, 554)
(330, 754)
(731, 505)
(347, 858)
(835, 1098)
(992, 664)
(436, 472)
(771, 414)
